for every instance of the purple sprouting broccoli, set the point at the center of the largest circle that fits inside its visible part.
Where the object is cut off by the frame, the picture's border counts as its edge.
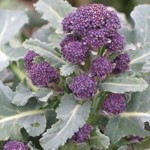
(29, 59)
(83, 86)
(122, 63)
(100, 67)
(15, 145)
(82, 135)
(75, 52)
(89, 17)
(114, 104)
(42, 74)
(116, 42)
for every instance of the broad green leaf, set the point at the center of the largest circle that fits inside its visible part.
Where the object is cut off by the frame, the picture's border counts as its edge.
(28, 117)
(4, 61)
(131, 122)
(43, 94)
(68, 69)
(22, 95)
(45, 50)
(124, 84)
(11, 23)
(71, 117)
(42, 33)
(53, 10)
(141, 17)
(55, 38)
(14, 54)
(99, 140)
(140, 55)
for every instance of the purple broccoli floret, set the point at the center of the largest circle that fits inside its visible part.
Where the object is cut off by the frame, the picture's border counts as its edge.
(42, 74)
(114, 104)
(82, 135)
(15, 145)
(83, 86)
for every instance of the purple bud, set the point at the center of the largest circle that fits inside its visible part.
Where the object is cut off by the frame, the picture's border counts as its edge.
(96, 38)
(75, 52)
(83, 134)
(69, 38)
(122, 63)
(114, 104)
(100, 67)
(83, 86)
(42, 74)
(116, 43)
(134, 139)
(15, 145)
(29, 59)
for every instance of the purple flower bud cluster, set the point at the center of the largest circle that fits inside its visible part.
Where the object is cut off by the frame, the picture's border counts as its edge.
(100, 67)
(122, 63)
(83, 86)
(134, 139)
(92, 27)
(114, 104)
(75, 52)
(41, 74)
(29, 59)
(15, 145)
(82, 135)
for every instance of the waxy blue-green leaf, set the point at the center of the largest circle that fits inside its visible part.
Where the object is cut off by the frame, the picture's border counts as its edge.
(11, 22)
(53, 10)
(141, 18)
(22, 95)
(99, 140)
(68, 69)
(123, 84)
(29, 116)
(46, 51)
(72, 116)
(140, 55)
(132, 121)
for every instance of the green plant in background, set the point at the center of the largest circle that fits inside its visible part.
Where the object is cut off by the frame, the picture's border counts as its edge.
(79, 81)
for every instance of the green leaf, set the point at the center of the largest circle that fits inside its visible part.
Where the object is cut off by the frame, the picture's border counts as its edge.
(68, 69)
(4, 61)
(124, 84)
(11, 23)
(42, 33)
(29, 117)
(71, 117)
(99, 140)
(131, 122)
(22, 95)
(14, 54)
(53, 10)
(45, 50)
(55, 38)
(140, 56)
(141, 17)
(123, 148)
(43, 94)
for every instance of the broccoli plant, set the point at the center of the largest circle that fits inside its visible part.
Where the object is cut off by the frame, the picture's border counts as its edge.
(80, 82)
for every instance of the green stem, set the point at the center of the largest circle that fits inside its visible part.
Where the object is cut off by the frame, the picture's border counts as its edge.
(21, 75)
(102, 51)
(97, 101)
